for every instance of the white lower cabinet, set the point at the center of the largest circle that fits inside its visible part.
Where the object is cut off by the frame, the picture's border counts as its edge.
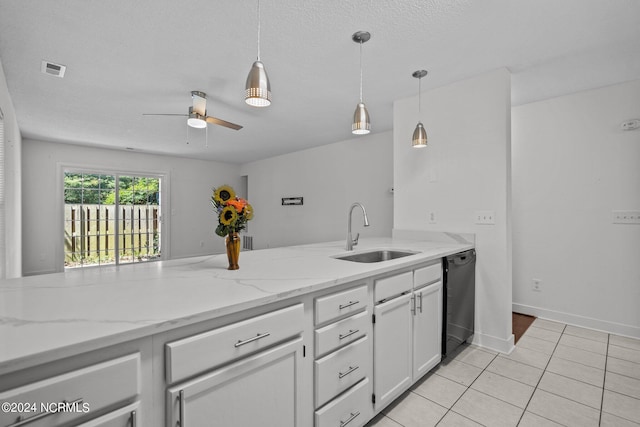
(427, 329)
(128, 416)
(352, 408)
(69, 398)
(407, 331)
(260, 390)
(392, 349)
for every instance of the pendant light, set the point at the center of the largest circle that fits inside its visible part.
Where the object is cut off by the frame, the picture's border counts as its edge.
(361, 122)
(419, 139)
(258, 88)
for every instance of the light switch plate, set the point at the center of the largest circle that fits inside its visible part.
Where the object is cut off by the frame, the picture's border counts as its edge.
(485, 217)
(625, 217)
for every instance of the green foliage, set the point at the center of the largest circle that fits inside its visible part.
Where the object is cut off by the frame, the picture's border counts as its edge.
(93, 189)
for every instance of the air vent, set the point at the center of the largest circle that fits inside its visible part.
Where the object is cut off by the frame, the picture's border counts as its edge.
(52, 69)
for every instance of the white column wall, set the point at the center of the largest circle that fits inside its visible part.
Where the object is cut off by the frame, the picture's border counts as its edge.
(464, 169)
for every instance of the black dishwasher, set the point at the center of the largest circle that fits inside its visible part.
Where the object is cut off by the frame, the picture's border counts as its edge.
(458, 300)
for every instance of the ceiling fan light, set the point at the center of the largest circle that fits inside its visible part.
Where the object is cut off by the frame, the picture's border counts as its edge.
(361, 123)
(419, 136)
(195, 120)
(258, 87)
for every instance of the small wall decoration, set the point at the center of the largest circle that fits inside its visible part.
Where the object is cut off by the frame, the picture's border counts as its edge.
(292, 201)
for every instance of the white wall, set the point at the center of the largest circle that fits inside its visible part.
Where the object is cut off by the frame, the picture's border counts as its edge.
(191, 218)
(13, 206)
(330, 178)
(573, 165)
(464, 169)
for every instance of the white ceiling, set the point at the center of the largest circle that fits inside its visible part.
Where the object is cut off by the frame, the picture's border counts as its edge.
(125, 58)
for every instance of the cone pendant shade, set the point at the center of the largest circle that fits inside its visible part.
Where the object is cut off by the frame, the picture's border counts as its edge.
(361, 123)
(258, 88)
(419, 139)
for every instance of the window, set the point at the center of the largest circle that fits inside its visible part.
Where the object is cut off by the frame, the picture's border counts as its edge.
(111, 218)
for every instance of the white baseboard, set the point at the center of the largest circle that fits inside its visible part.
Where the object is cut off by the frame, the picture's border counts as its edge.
(494, 343)
(576, 320)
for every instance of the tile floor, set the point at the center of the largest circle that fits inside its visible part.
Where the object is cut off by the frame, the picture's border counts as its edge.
(558, 375)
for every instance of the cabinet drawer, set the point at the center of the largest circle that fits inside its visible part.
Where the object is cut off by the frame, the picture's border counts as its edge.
(202, 352)
(393, 286)
(340, 304)
(425, 275)
(86, 390)
(341, 369)
(351, 409)
(123, 417)
(341, 333)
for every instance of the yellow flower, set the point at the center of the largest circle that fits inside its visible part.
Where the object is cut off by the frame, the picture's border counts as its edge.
(248, 211)
(228, 215)
(223, 193)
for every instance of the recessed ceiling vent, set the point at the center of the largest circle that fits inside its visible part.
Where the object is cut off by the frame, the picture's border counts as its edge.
(52, 69)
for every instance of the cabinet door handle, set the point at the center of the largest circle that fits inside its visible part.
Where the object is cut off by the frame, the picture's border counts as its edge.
(351, 418)
(420, 298)
(413, 304)
(132, 416)
(24, 421)
(181, 409)
(351, 369)
(349, 304)
(257, 337)
(348, 334)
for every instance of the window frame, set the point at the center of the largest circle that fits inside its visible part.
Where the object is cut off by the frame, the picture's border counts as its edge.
(164, 178)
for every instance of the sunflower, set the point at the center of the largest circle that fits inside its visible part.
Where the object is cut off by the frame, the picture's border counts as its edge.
(248, 211)
(228, 215)
(223, 193)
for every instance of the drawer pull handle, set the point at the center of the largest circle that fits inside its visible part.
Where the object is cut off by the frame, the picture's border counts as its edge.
(134, 423)
(181, 409)
(351, 369)
(349, 304)
(351, 418)
(257, 337)
(24, 421)
(420, 299)
(348, 334)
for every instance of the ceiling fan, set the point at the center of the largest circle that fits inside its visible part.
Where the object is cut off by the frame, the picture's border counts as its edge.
(197, 117)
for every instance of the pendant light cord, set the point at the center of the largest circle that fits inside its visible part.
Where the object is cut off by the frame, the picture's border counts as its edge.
(361, 71)
(419, 96)
(258, 30)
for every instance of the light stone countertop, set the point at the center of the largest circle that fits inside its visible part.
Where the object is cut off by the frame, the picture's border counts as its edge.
(48, 317)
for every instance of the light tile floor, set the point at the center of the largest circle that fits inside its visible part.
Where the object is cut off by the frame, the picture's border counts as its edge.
(558, 375)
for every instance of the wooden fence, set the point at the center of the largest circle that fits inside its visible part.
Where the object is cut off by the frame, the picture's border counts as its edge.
(90, 234)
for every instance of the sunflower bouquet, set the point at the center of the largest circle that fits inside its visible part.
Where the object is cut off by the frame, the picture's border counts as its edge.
(233, 212)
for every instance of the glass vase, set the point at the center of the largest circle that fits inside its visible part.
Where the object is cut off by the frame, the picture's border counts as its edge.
(233, 250)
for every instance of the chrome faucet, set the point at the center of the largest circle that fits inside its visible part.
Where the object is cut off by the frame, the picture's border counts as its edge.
(351, 242)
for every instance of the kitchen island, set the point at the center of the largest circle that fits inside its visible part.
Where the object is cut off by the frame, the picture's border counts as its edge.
(60, 317)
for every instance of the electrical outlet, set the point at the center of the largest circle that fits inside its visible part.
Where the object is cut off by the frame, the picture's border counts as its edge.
(536, 285)
(485, 217)
(432, 217)
(625, 217)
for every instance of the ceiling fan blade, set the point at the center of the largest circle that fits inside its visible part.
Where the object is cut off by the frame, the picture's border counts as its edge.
(221, 122)
(162, 114)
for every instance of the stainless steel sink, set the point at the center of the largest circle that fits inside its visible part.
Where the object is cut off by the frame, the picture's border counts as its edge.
(376, 256)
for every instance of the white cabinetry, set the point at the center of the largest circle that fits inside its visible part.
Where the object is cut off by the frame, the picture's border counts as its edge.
(259, 390)
(249, 373)
(407, 330)
(342, 369)
(72, 397)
